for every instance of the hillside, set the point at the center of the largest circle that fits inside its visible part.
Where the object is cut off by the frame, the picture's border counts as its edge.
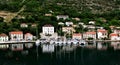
(73, 8)
(95, 6)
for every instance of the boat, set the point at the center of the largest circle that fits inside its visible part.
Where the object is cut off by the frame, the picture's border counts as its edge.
(82, 42)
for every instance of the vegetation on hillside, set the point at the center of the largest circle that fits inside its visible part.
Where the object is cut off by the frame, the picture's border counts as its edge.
(86, 10)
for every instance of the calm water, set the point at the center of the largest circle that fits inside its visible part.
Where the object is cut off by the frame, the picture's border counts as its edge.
(60, 55)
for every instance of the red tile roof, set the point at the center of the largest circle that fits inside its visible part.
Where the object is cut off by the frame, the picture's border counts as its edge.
(3, 35)
(113, 34)
(28, 34)
(47, 25)
(16, 32)
(90, 32)
(102, 30)
(77, 34)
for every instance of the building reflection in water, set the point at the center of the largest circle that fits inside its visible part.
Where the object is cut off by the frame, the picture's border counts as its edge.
(115, 45)
(102, 46)
(48, 48)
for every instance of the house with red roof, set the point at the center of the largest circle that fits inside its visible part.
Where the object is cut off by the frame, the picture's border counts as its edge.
(76, 36)
(102, 33)
(3, 37)
(91, 34)
(113, 36)
(16, 35)
(28, 36)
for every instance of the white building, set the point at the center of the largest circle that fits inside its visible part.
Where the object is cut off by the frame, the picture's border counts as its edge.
(60, 23)
(3, 37)
(77, 36)
(92, 22)
(24, 25)
(102, 33)
(48, 32)
(48, 29)
(87, 35)
(69, 23)
(28, 36)
(16, 35)
(62, 17)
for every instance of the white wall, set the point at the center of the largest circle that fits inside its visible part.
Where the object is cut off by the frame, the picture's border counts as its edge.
(48, 30)
(4, 38)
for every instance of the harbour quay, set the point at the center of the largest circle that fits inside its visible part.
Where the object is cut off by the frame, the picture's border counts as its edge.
(21, 45)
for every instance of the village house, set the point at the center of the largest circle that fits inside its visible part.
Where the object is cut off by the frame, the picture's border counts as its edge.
(68, 29)
(16, 35)
(99, 27)
(112, 28)
(81, 23)
(48, 29)
(48, 14)
(33, 25)
(48, 32)
(3, 37)
(76, 36)
(77, 19)
(60, 23)
(68, 23)
(90, 26)
(113, 36)
(23, 25)
(91, 34)
(64, 17)
(116, 31)
(102, 33)
(28, 36)
(92, 22)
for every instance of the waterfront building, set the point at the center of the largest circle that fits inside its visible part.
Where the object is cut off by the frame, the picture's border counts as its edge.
(16, 35)
(28, 36)
(48, 29)
(91, 34)
(113, 36)
(76, 36)
(48, 32)
(64, 17)
(3, 37)
(102, 33)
